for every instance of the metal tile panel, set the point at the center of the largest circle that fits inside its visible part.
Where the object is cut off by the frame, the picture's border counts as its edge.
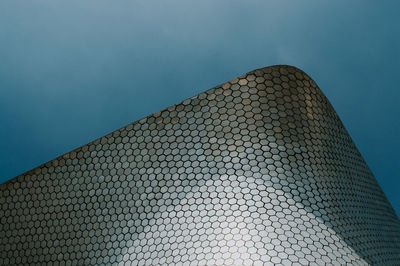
(258, 170)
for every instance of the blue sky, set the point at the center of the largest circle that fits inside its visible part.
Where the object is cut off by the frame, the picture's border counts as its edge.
(72, 71)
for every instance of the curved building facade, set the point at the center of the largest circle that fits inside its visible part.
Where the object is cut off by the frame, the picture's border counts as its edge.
(257, 171)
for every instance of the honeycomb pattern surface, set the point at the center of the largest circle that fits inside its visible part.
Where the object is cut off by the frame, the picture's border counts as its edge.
(257, 171)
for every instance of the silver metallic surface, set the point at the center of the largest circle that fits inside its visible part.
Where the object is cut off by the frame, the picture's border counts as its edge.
(257, 171)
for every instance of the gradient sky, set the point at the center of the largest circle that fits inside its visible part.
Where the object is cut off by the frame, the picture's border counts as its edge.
(72, 71)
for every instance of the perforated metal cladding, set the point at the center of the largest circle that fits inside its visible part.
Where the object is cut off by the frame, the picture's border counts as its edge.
(259, 171)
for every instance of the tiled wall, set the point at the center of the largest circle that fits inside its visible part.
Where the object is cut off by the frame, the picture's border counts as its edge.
(259, 170)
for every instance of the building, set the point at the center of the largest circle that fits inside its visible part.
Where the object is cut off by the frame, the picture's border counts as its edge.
(258, 170)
